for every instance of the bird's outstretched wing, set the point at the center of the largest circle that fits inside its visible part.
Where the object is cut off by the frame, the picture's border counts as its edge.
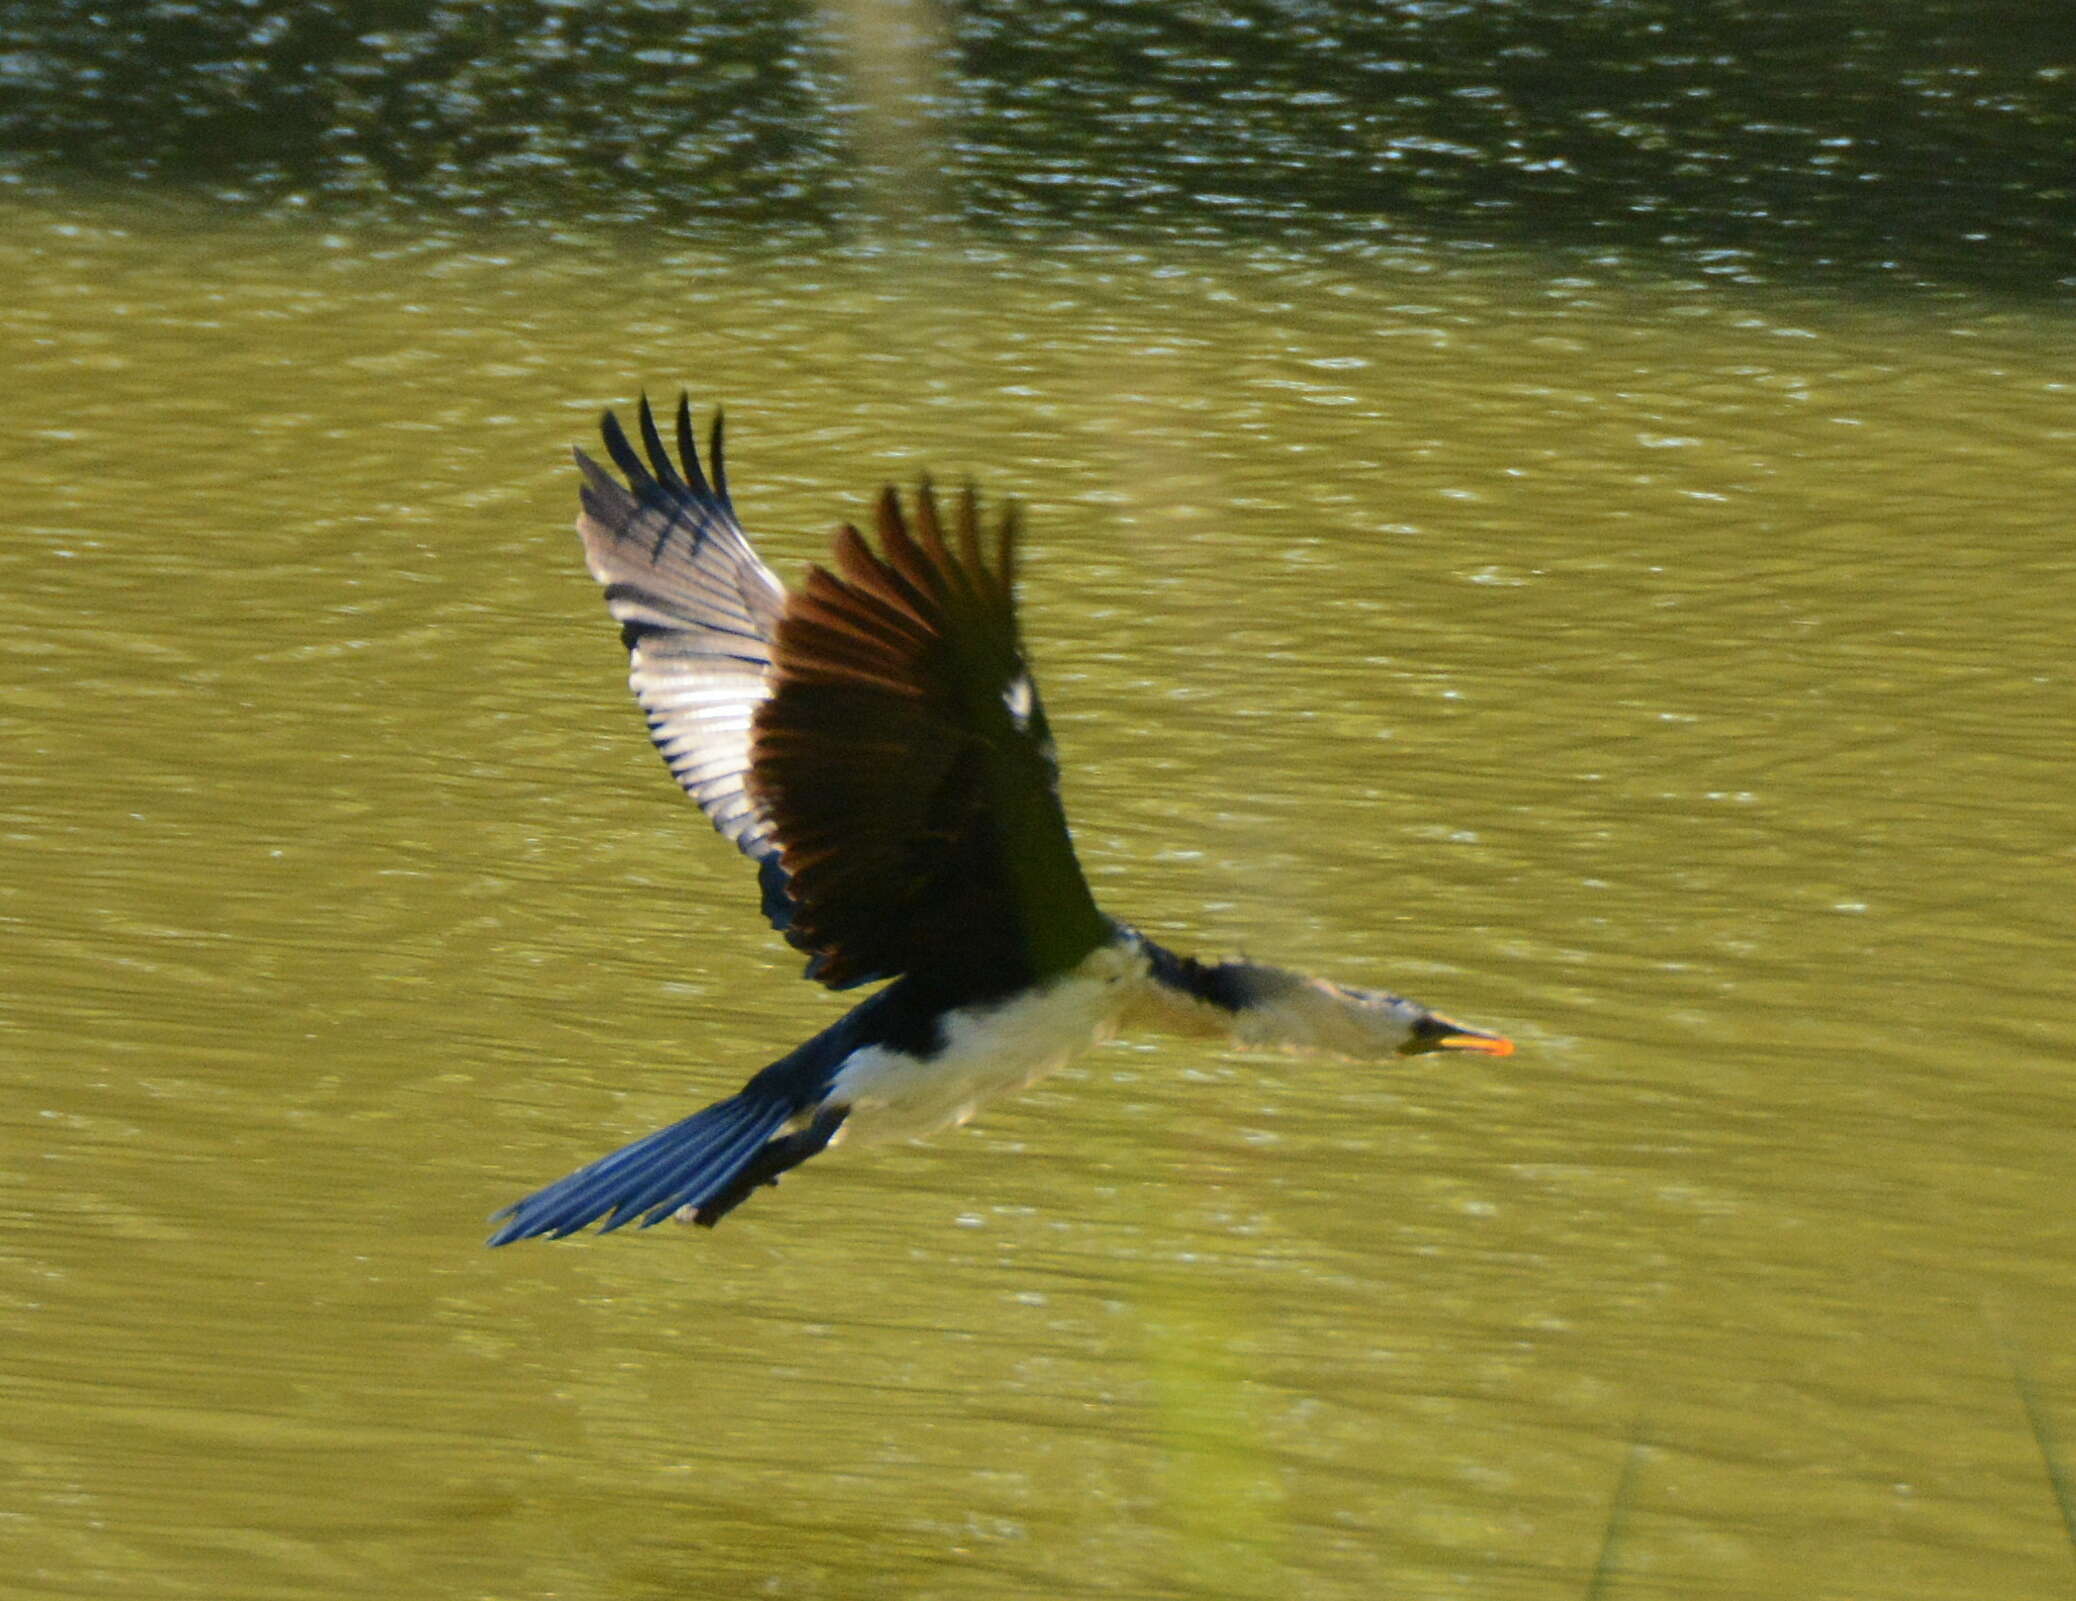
(903, 766)
(696, 609)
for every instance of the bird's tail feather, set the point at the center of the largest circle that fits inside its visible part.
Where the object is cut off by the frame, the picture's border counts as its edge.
(675, 1167)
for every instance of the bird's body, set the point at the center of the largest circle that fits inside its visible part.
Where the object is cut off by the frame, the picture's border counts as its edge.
(875, 743)
(990, 1048)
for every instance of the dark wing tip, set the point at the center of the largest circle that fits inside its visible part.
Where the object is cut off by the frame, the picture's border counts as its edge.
(1008, 532)
(659, 458)
(686, 473)
(624, 455)
(688, 450)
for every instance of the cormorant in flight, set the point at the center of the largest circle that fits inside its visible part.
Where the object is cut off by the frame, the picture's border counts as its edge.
(874, 743)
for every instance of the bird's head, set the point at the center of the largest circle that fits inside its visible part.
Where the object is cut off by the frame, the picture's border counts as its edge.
(1433, 1032)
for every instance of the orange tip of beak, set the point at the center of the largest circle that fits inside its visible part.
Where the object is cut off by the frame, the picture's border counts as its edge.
(1489, 1044)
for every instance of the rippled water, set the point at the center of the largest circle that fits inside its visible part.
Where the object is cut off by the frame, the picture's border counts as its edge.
(1677, 678)
(1762, 139)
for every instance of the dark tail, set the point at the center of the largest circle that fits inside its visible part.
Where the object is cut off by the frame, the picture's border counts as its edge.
(688, 1163)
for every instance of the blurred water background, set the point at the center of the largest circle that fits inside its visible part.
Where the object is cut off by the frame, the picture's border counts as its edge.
(1559, 509)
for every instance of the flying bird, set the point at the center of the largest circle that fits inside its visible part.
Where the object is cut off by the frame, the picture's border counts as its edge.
(874, 743)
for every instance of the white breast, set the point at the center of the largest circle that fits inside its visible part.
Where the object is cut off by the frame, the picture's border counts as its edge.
(988, 1051)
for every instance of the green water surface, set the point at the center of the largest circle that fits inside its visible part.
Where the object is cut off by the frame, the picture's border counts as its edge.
(1677, 677)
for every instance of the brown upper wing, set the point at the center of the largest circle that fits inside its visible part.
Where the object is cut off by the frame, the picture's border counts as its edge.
(903, 766)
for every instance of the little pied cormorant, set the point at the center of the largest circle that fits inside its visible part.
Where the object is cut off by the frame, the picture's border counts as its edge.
(874, 743)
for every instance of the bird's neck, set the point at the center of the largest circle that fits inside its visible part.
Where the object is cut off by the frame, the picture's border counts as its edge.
(1254, 1004)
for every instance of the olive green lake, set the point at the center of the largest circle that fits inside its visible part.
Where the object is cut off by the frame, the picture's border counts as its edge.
(1673, 674)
